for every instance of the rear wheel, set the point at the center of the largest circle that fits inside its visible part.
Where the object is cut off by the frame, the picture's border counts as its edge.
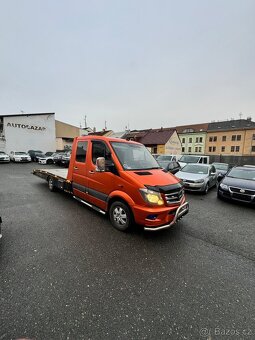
(51, 184)
(49, 161)
(121, 216)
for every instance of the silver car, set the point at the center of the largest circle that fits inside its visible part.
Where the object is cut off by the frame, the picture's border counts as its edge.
(198, 177)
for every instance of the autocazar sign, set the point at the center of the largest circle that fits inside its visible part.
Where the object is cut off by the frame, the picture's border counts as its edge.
(26, 126)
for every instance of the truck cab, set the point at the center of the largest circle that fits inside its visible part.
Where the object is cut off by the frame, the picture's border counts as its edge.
(123, 179)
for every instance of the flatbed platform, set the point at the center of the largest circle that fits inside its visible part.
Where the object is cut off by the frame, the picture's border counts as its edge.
(60, 173)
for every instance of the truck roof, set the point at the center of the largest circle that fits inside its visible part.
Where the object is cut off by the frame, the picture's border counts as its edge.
(106, 139)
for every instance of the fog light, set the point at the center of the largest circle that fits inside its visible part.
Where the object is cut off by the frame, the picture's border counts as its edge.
(152, 217)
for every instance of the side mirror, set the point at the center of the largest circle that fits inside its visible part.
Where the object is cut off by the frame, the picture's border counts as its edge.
(220, 177)
(100, 164)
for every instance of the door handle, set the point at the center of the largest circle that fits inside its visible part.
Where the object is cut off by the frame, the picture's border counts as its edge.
(75, 168)
(91, 172)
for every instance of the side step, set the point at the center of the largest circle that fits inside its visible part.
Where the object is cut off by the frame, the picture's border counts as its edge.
(89, 205)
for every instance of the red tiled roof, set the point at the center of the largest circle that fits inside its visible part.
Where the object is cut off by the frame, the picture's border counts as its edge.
(194, 127)
(157, 136)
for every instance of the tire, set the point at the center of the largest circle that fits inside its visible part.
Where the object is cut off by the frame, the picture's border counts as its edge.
(206, 189)
(121, 216)
(50, 161)
(51, 185)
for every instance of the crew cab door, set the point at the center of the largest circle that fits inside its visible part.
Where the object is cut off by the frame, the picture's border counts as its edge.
(100, 184)
(80, 181)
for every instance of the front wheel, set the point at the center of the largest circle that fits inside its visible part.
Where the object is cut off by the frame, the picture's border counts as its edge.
(206, 189)
(121, 216)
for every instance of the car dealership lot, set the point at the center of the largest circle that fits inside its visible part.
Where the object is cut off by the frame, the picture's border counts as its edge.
(66, 273)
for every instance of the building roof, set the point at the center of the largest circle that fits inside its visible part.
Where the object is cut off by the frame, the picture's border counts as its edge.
(192, 128)
(238, 124)
(151, 137)
(28, 114)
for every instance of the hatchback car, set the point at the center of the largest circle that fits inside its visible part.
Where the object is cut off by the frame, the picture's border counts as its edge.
(238, 184)
(198, 177)
(221, 168)
(4, 158)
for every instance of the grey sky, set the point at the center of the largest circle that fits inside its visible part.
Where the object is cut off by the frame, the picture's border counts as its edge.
(146, 63)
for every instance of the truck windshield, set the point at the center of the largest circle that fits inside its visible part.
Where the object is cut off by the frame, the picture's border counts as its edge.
(134, 156)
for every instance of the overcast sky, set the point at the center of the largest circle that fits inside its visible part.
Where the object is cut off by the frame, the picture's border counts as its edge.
(143, 63)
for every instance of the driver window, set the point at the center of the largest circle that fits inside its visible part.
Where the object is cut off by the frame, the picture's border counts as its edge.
(99, 149)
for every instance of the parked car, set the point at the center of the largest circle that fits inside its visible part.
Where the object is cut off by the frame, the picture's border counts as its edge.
(164, 160)
(18, 156)
(171, 167)
(4, 158)
(221, 168)
(65, 160)
(238, 184)
(198, 177)
(34, 153)
(58, 157)
(46, 159)
(186, 159)
(49, 153)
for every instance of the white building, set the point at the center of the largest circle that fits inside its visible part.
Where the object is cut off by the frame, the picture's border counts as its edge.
(23, 132)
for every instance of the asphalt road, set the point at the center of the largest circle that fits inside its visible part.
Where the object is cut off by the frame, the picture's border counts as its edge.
(66, 273)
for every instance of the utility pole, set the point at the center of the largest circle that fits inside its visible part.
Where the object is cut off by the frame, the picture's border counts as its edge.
(85, 121)
(105, 125)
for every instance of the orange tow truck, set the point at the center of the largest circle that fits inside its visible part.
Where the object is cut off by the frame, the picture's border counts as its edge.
(122, 179)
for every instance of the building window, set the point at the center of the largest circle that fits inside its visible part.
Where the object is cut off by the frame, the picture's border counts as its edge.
(223, 149)
(238, 137)
(215, 138)
(201, 140)
(200, 149)
(189, 150)
(224, 138)
(196, 148)
(253, 136)
(210, 139)
(232, 149)
(183, 140)
(233, 138)
(214, 149)
(197, 139)
(253, 148)
(183, 149)
(237, 148)
(210, 149)
(190, 140)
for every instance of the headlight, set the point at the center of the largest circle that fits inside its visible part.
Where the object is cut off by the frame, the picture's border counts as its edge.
(152, 197)
(224, 186)
(199, 181)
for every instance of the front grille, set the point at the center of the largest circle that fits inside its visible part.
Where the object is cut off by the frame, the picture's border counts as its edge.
(246, 191)
(245, 198)
(174, 197)
(188, 181)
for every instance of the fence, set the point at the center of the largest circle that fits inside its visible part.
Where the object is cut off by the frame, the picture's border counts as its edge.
(233, 160)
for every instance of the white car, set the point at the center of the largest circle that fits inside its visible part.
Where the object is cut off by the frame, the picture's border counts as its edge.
(18, 156)
(4, 158)
(46, 159)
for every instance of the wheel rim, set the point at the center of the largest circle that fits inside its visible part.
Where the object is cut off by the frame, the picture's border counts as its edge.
(120, 216)
(206, 188)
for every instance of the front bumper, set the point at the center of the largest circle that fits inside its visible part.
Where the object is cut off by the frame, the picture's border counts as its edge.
(194, 186)
(165, 217)
(229, 195)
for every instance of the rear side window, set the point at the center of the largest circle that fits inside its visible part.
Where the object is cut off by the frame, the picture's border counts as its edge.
(81, 152)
